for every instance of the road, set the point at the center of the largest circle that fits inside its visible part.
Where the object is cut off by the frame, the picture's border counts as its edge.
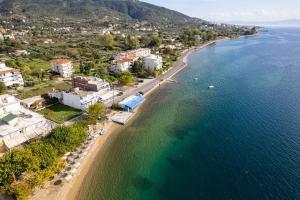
(145, 88)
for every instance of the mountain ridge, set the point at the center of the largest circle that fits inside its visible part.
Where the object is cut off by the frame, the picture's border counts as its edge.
(94, 9)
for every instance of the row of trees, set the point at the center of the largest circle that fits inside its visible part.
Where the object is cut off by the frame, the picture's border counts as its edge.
(129, 42)
(21, 170)
(192, 37)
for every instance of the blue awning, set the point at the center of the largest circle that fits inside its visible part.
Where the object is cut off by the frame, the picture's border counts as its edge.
(132, 104)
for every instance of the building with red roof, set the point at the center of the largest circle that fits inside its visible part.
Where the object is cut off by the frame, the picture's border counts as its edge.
(62, 66)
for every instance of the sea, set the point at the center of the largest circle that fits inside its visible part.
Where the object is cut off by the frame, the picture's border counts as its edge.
(237, 141)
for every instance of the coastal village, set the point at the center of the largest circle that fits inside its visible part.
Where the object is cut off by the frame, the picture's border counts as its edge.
(20, 122)
(62, 88)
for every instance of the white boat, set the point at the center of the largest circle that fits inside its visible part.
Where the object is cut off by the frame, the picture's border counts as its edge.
(211, 87)
(196, 79)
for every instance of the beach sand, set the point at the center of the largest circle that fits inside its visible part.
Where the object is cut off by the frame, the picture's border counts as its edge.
(69, 190)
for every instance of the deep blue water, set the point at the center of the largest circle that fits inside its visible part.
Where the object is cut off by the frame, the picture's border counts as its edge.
(238, 141)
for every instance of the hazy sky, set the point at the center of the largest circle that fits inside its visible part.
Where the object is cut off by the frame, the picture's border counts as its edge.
(235, 10)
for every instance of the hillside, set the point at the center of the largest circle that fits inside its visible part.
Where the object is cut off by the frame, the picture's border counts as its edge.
(95, 9)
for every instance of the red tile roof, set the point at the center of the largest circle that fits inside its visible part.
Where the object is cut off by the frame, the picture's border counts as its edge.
(123, 60)
(60, 61)
(8, 70)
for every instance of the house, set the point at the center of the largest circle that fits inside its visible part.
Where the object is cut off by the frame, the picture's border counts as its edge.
(198, 37)
(179, 45)
(170, 46)
(121, 65)
(153, 62)
(134, 54)
(33, 103)
(63, 67)
(9, 37)
(77, 98)
(123, 61)
(141, 52)
(21, 52)
(18, 124)
(2, 30)
(10, 76)
(48, 41)
(91, 84)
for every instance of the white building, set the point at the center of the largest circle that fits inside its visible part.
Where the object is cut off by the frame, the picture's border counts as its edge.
(123, 61)
(63, 67)
(141, 53)
(21, 52)
(133, 55)
(153, 62)
(78, 99)
(9, 37)
(18, 124)
(10, 76)
(121, 65)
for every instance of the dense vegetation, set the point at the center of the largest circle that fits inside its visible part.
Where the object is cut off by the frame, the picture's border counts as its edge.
(97, 111)
(95, 9)
(21, 170)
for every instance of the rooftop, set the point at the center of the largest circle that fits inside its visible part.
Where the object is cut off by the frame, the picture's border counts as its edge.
(7, 100)
(152, 56)
(60, 61)
(4, 69)
(122, 61)
(9, 117)
(132, 102)
(24, 118)
(91, 80)
(81, 93)
(32, 100)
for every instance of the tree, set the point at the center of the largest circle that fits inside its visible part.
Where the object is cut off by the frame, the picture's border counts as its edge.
(102, 72)
(126, 78)
(45, 151)
(11, 63)
(137, 66)
(131, 42)
(3, 88)
(106, 41)
(25, 70)
(21, 170)
(97, 110)
(155, 41)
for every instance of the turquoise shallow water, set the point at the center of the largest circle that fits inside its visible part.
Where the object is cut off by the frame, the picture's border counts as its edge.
(238, 141)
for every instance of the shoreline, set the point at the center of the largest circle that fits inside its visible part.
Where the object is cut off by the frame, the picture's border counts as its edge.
(69, 190)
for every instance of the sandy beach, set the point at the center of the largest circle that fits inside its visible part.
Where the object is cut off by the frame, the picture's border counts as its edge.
(69, 190)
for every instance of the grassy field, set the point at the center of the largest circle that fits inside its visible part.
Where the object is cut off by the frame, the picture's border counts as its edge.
(60, 113)
(42, 89)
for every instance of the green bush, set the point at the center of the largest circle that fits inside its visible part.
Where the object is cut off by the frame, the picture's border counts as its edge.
(21, 170)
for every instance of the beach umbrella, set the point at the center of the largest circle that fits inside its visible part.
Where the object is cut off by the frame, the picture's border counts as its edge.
(73, 171)
(67, 154)
(81, 157)
(77, 165)
(68, 178)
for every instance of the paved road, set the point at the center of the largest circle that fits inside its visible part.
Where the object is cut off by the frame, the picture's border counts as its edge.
(180, 64)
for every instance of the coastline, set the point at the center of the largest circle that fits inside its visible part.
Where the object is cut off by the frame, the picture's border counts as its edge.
(69, 190)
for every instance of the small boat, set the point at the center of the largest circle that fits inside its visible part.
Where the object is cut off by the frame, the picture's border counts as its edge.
(196, 79)
(211, 87)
